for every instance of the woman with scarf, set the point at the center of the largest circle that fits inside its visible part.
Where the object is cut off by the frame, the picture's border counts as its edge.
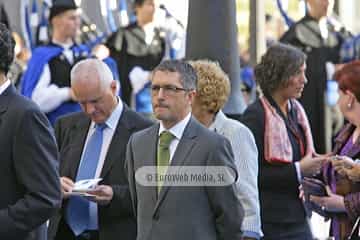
(343, 201)
(283, 137)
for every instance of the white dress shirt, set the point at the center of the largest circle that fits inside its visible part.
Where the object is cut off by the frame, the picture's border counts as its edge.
(177, 130)
(4, 86)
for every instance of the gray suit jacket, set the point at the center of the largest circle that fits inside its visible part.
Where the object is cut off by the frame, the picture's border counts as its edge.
(191, 213)
(30, 188)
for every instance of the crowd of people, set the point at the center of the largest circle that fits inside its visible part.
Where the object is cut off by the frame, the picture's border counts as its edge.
(132, 119)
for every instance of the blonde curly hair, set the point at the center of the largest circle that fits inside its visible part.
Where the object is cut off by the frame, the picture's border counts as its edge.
(213, 86)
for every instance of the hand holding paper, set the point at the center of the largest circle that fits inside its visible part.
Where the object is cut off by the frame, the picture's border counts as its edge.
(86, 185)
(80, 188)
(103, 194)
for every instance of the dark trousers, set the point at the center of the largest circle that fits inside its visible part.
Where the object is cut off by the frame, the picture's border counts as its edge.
(287, 231)
(65, 233)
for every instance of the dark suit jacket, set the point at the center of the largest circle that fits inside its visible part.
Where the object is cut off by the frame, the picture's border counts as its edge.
(30, 189)
(192, 213)
(278, 184)
(115, 220)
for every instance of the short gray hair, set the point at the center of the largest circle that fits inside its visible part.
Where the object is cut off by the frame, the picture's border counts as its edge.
(277, 65)
(92, 64)
(187, 73)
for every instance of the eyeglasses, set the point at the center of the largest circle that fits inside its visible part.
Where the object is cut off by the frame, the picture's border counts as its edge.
(167, 89)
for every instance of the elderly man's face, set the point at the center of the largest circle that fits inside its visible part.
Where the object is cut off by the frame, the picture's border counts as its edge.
(96, 101)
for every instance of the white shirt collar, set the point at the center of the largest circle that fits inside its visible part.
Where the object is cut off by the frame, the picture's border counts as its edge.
(149, 30)
(178, 129)
(323, 26)
(4, 86)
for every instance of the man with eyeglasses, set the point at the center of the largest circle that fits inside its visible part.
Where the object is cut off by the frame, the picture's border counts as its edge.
(173, 212)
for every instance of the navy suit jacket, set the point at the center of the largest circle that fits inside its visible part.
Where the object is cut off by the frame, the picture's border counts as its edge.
(30, 188)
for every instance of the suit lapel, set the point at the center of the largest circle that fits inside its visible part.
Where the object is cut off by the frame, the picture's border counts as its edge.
(150, 157)
(120, 138)
(183, 149)
(5, 99)
(78, 135)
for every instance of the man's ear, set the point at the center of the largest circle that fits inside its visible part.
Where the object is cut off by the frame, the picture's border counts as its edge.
(113, 86)
(192, 95)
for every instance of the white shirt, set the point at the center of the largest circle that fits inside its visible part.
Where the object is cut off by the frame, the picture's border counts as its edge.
(50, 96)
(149, 30)
(323, 26)
(4, 86)
(108, 134)
(177, 130)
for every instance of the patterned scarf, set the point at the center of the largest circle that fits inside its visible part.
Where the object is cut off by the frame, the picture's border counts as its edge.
(277, 145)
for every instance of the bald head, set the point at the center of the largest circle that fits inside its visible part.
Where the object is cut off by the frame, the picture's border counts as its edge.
(91, 72)
(94, 88)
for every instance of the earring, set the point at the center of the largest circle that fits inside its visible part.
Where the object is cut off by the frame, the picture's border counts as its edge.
(349, 105)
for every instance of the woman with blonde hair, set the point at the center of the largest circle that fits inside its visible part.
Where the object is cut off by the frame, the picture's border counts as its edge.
(213, 89)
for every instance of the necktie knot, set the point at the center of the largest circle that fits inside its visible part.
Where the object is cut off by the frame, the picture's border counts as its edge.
(100, 126)
(165, 139)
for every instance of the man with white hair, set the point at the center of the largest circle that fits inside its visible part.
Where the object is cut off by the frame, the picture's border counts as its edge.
(92, 144)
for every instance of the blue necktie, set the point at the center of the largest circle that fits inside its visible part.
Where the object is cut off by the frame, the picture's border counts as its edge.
(78, 210)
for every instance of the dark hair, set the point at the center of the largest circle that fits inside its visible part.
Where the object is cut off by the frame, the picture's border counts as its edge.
(277, 65)
(138, 3)
(348, 78)
(187, 73)
(61, 6)
(7, 45)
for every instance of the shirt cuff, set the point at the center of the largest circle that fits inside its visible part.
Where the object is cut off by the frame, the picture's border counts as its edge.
(298, 171)
(251, 234)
